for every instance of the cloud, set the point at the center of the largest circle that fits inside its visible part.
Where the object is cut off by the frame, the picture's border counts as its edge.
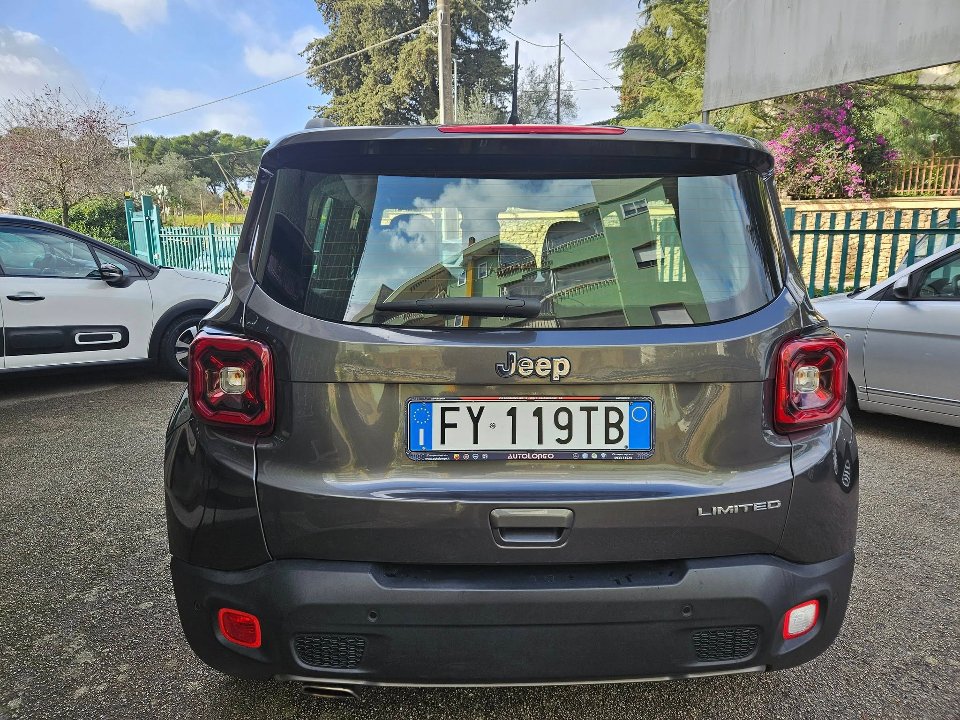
(416, 235)
(280, 58)
(135, 14)
(480, 201)
(232, 116)
(28, 62)
(598, 34)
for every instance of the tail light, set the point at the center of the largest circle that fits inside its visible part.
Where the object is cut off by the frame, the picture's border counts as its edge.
(231, 381)
(800, 619)
(240, 628)
(811, 384)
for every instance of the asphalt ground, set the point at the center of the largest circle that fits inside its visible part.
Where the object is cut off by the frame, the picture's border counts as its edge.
(88, 626)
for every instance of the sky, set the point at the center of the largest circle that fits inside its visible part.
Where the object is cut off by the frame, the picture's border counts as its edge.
(152, 57)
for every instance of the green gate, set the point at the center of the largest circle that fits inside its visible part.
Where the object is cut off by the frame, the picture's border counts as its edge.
(207, 249)
(143, 229)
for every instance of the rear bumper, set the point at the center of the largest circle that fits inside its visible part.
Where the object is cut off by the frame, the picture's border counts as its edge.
(379, 624)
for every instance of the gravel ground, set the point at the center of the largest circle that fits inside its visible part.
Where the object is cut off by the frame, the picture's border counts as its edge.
(89, 626)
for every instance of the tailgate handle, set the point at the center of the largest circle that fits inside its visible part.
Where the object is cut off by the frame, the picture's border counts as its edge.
(531, 526)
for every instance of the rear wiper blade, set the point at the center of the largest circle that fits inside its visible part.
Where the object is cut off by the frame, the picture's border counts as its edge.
(478, 306)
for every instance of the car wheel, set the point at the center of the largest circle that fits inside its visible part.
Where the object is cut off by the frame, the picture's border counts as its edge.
(175, 345)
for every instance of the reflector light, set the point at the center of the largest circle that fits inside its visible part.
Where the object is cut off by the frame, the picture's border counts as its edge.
(800, 619)
(240, 628)
(811, 383)
(231, 381)
(534, 129)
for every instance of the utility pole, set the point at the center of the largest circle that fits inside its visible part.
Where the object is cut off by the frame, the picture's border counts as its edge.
(559, 60)
(514, 118)
(133, 185)
(444, 63)
(456, 91)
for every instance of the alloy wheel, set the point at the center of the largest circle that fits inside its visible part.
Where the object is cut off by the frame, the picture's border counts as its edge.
(181, 347)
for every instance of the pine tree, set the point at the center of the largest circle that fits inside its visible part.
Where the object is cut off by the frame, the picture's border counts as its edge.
(396, 84)
(663, 66)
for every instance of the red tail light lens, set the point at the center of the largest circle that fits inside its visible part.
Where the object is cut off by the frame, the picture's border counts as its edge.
(239, 627)
(811, 385)
(231, 381)
(534, 129)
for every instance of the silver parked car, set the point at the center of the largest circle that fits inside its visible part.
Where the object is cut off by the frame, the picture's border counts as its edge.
(903, 339)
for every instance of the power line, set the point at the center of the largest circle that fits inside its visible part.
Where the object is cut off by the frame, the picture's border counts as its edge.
(508, 30)
(572, 90)
(540, 45)
(235, 152)
(283, 79)
(586, 63)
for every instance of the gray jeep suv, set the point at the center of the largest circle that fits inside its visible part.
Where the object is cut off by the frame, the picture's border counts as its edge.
(509, 405)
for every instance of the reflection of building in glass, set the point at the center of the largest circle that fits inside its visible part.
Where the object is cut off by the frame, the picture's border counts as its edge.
(618, 261)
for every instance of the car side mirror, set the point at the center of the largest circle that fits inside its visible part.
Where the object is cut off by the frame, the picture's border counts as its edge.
(901, 288)
(111, 274)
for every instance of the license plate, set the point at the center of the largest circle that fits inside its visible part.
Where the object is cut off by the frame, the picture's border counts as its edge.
(521, 428)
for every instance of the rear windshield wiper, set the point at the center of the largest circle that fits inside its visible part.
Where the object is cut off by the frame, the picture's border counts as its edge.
(479, 306)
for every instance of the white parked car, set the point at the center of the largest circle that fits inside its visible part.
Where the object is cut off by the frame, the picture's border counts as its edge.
(68, 299)
(903, 339)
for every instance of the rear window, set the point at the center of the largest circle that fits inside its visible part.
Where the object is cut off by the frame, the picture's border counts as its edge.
(600, 253)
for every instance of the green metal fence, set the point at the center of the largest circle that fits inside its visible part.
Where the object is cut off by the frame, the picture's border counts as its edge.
(840, 251)
(208, 249)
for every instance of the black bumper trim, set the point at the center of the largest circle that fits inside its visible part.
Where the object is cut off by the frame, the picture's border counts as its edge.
(489, 634)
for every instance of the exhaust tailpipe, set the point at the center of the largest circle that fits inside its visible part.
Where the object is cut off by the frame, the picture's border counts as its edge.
(330, 692)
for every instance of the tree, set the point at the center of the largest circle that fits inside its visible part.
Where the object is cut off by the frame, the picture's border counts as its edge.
(919, 115)
(479, 107)
(396, 84)
(224, 161)
(104, 218)
(537, 96)
(662, 71)
(57, 152)
(829, 146)
(175, 185)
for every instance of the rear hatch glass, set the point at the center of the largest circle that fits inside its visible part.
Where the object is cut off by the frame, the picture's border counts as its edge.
(536, 252)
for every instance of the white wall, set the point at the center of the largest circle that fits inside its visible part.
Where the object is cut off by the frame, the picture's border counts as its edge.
(759, 49)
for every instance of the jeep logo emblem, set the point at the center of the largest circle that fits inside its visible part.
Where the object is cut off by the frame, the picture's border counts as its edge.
(555, 368)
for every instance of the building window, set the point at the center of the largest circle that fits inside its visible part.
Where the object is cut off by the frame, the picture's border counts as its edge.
(646, 255)
(633, 208)
(532, 285)
(483, 269)
(458, 320)
(461, 278)
(582, 274)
